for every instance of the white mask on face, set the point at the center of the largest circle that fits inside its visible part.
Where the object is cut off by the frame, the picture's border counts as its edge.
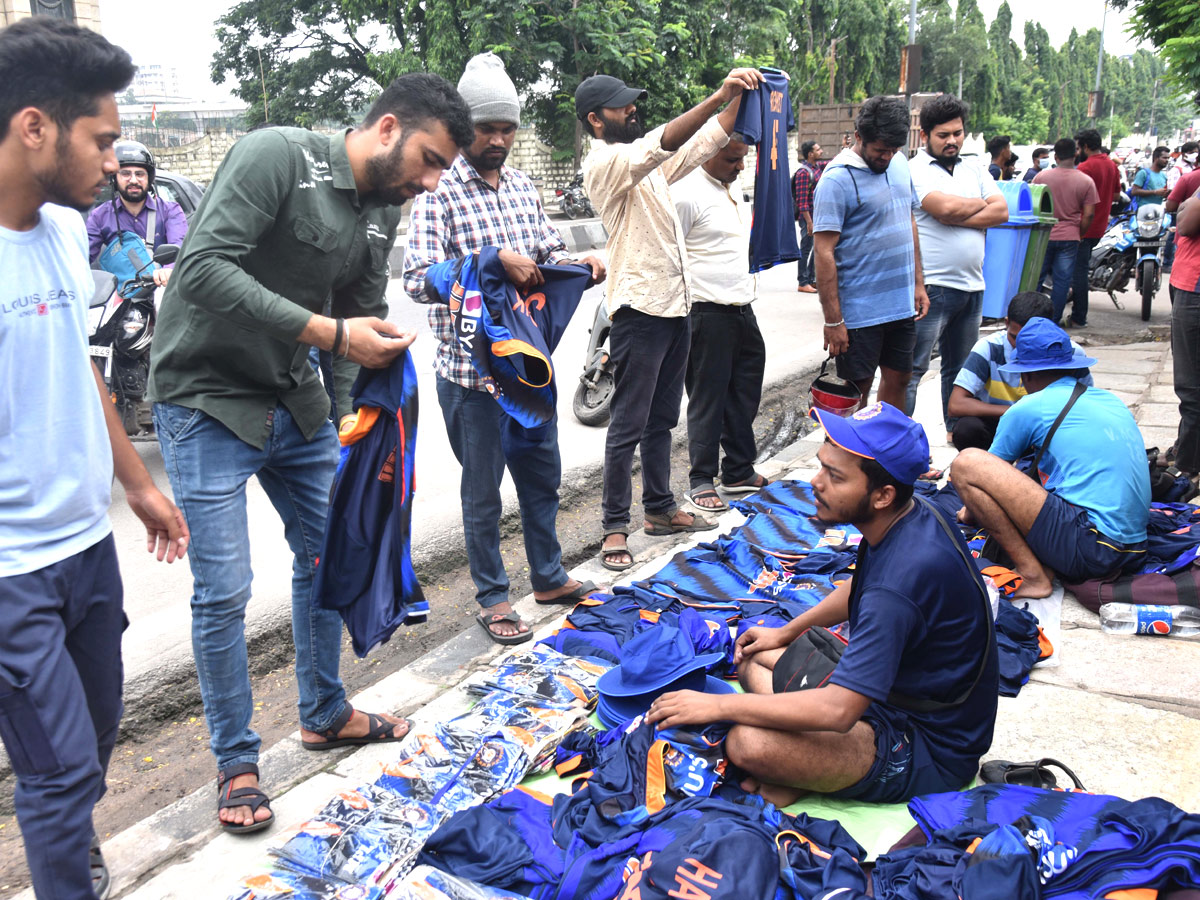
(1189, 158)
(1044, 162)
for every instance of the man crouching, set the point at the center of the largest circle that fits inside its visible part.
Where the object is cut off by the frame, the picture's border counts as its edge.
(911, 705)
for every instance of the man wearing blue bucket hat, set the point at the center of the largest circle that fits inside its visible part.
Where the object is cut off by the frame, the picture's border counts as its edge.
(911, 704)
(1085, 514)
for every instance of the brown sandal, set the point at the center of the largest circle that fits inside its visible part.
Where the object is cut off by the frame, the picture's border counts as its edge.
(615, 549)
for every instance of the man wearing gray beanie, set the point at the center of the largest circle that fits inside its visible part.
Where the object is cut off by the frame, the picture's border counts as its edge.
(481, 202)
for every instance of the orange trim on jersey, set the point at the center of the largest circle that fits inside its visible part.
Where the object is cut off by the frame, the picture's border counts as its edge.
(656, 778)
(1045, 648)
(649, 615)
(974, 845)
(1133, 894)
(568, 765)
(807, 842)
(356, 428)
(536, 795)
(520, 348)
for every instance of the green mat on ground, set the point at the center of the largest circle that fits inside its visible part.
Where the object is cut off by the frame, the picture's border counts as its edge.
(877, 826)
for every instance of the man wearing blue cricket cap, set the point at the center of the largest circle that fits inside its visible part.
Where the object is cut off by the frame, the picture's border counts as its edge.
(1085, 515)
(911, 705)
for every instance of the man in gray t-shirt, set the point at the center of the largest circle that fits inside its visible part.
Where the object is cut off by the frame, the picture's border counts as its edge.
(959, 202)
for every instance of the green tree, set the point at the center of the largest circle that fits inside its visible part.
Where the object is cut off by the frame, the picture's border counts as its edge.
(1172, 26)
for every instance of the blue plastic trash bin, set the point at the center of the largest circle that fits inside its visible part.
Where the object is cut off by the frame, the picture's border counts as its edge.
(1004, 249)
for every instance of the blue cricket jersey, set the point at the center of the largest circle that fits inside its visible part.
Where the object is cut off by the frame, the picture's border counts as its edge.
(765, 118)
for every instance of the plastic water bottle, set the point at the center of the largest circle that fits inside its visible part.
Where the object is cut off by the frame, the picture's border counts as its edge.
(1131, 618)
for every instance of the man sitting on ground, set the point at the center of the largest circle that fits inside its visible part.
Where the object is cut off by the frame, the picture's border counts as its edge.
(911, 706)
(1085, 515)
(982, 393)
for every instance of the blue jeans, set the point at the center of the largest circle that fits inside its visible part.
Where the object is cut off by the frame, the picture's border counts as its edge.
(1060, 259)
(60, 704)
(806, 270)
(208, 466)
(953, 324)
(1083, 271)
(473, 425)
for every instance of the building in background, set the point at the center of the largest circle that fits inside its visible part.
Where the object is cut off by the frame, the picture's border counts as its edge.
(81, 12)
(155, 82)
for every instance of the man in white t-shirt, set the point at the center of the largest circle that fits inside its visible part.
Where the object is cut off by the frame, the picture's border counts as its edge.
(959, 202)
(61, 441)
(727, 356)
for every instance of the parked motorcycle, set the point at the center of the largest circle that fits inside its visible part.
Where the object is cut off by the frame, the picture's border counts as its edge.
(594, 394)
(1132, 250)
(121, 324)
(572, 200)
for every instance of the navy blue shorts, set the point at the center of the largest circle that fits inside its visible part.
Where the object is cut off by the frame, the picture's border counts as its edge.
(903, 766)
(1064, 538)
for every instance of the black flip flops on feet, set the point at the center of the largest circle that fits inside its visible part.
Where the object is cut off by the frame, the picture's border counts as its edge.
(230, 798)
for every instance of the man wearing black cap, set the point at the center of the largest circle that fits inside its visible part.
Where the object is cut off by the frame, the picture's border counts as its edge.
(627, 176)
(911, 705)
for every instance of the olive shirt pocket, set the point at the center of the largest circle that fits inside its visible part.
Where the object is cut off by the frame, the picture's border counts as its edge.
(320, 241)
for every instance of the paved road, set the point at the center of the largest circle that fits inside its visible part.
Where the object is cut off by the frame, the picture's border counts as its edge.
(157, 595)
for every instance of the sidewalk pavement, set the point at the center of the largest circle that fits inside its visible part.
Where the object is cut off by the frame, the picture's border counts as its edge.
(1121, 711)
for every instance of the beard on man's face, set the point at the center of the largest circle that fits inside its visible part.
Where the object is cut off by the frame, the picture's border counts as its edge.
(66, 184)
(489, 160)
(389, 182)
(625, 130)
(133, 192)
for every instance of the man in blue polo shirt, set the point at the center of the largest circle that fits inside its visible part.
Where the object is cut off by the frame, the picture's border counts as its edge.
(867, 254)
(1085, 515)
(911, 706)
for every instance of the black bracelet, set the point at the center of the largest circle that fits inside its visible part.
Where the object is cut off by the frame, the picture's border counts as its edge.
(337, 337)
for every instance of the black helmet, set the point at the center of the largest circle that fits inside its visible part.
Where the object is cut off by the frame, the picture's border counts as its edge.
(133, 153)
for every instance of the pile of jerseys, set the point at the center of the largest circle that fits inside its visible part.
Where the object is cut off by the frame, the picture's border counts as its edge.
(1172, 538)
(769, 570)
(1005, 842)
(652, 819)
(363, 841)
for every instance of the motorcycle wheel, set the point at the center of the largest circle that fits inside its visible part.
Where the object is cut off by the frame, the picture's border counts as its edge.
(591, 404)
(570, 210)
(1147, 279)
(588, 209)
(129, 416)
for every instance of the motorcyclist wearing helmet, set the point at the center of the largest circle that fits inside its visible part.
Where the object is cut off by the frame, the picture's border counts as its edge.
(134, 205)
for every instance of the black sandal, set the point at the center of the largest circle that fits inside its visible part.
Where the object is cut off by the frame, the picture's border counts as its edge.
(378, 732)
(486, 620)
(1031, 774)
(230, 798)
(101, 882)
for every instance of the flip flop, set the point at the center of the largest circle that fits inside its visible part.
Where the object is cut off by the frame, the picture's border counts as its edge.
(708, 493)
(495, 619)
(580, 593)
(229, 798)
(660, 523)
(1031, 774)
(606, 552)
(749, 486)
(379, 731)
(932, 475)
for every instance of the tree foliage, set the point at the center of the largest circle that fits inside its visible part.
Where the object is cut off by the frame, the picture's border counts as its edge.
(307, 62)
(1173, 26)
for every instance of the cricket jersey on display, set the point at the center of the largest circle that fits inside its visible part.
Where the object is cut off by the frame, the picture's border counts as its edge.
(764, 119)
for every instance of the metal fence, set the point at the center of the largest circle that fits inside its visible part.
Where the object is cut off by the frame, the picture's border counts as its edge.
(173, 130)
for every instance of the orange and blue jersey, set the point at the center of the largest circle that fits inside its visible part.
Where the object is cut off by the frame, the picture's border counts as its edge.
(765, 118)
(365, 569)
(509, 335)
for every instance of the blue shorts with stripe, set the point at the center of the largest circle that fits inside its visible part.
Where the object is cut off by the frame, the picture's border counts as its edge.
(1064, 538)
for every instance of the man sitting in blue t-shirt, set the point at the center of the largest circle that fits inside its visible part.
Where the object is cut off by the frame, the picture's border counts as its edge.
(1085, 515)
(911, 706)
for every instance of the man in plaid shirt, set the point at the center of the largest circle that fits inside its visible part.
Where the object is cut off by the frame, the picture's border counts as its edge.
(481, 202)
(804, 182)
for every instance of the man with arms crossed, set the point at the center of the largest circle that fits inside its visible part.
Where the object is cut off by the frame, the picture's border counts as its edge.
(959, 202)
(911, 706)
(61, 442)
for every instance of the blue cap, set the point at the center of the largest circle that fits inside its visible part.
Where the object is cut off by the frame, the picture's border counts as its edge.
(616, 711)
(652, 660)
(882, 433)
(1041, 347)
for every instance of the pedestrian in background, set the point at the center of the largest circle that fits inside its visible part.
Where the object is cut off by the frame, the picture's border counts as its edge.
(482, 202)
(61, 443)
(1100, 168)
(628, 175)
(804, 183)
(1040, 160)
(1075, 200)
(1185, 320)
(727, 358)
(998, 150)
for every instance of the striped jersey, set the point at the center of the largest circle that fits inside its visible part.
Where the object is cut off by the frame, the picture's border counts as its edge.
(980, 375)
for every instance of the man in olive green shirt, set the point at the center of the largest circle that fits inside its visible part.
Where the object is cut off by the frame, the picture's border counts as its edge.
(292, 220)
